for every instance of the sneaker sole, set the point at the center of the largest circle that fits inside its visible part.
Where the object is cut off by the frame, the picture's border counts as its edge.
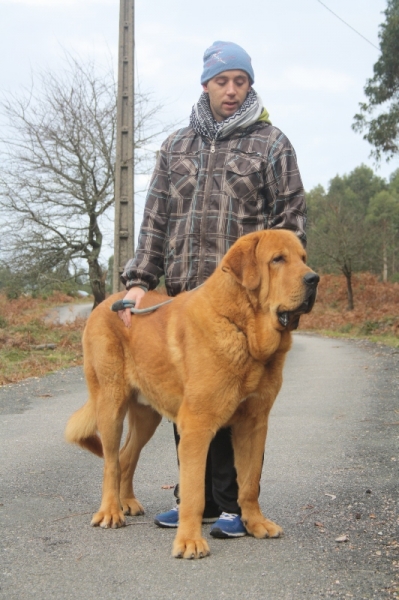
(218, 533)
(205, 521)
(164, 524)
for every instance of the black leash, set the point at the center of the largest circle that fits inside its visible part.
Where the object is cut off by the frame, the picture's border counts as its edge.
(122, 304)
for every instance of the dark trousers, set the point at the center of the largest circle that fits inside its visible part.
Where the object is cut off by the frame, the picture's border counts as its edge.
(221, 489)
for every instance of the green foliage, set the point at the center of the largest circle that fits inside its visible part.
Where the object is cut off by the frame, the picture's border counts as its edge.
(10, 283)
(354, 225)
(338, 230)
(347, 328)
(39, 279)
(110, 275)
(369, 327)
(382, 91)
(394, 183)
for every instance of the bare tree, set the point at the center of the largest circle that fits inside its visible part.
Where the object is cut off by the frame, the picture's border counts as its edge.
(57, 170)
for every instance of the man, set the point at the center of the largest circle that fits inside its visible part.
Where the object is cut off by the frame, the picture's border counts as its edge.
(230, 172)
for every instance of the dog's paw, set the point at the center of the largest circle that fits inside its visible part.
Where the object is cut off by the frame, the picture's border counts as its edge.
(108, 519)
(185, 548)
(131, 506)
(263, 529)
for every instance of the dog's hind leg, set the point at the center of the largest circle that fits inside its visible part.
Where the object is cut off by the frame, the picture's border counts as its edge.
(143, 421)
(111, 411)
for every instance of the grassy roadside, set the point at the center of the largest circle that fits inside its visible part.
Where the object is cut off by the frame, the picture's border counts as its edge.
(23, 328)
(384, 339)
(30, 347)
(374, 318)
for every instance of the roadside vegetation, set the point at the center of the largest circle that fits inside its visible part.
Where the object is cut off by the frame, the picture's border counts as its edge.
(31, 346)
(375, 316)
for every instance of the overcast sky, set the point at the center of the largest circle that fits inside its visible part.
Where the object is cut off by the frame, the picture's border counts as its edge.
(310, 68)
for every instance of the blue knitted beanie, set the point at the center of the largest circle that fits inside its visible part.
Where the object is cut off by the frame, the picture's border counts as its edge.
(225, 56)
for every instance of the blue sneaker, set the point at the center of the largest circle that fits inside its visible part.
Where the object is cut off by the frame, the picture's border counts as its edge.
(168, 519)
(171, 518)
(228, 525)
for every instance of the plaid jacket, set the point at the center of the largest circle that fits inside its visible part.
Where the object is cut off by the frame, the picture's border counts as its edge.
(203, 196)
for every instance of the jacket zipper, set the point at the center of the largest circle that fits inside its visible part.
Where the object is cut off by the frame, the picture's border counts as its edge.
(211, 166)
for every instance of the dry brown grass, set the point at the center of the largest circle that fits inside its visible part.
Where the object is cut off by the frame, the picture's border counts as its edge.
(22, 327)
(376, 312)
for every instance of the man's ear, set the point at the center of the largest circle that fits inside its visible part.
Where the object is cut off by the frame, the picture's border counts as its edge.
(205, 87)
(241, 262)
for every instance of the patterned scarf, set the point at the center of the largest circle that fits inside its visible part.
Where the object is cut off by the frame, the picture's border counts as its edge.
(203, 123)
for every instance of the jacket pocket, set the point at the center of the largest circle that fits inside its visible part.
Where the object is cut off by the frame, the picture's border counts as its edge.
(183, 172)
(243, 177)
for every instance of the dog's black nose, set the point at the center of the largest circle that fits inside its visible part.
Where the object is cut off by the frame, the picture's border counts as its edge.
(311, 279)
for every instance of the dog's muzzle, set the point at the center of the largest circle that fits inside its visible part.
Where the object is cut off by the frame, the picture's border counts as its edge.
(291, 318)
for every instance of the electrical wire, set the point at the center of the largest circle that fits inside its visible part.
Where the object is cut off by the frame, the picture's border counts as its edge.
(350, 26)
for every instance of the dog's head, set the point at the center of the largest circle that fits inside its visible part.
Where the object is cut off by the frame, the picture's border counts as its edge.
(272, 265)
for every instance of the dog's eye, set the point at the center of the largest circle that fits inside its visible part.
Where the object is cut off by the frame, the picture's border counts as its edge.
(278, 259)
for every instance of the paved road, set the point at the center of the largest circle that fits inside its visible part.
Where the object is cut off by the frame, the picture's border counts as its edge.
(69, 313)
(331, 469)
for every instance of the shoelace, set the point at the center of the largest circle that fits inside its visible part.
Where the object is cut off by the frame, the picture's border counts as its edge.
(228, 516)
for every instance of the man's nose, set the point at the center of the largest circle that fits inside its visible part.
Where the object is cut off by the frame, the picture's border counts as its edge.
(230, 89)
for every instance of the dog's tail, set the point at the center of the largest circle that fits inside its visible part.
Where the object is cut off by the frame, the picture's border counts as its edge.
(82, 429)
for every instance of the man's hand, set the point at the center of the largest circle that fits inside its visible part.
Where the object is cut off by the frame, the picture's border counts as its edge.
(135, 294)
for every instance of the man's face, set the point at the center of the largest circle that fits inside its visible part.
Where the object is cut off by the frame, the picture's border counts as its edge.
(227, 92)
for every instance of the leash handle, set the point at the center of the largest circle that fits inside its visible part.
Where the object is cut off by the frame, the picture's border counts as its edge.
(122, 304)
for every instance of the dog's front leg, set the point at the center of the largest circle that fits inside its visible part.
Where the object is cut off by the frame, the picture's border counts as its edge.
(193, 448)
(249, 437)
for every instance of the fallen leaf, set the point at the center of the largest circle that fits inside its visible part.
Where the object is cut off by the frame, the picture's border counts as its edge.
(342, 538)
(372, 516)
(318, 524)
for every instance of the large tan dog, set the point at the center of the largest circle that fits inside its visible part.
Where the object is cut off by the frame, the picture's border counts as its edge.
(211, 358)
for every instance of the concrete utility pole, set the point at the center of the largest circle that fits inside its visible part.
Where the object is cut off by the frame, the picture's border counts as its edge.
(124, 171)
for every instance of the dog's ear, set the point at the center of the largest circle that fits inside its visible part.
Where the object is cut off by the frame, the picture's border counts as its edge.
(241, 262)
